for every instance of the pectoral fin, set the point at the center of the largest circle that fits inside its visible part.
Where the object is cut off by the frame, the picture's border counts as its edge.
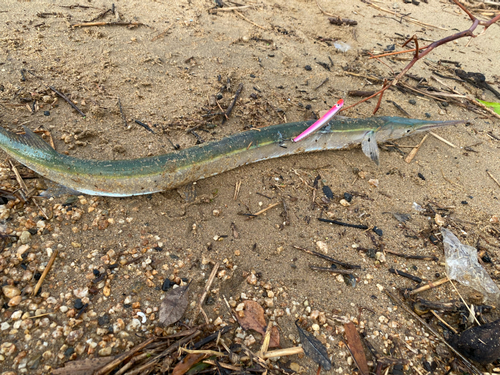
(370, 147)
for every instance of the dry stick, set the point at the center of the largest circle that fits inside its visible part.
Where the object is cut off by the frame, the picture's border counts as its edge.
(283, 352)
(68, 100)
(323, 11)
(162, 34)
(471, 312)
(444, 321)
(24, 188)
(246, 19)
(482, 106)
(430, 329)
(451, 182)
(493, 178)
(442, 139)
(267, 339)
(215, 10)
(120, 23)
(466, 33)
(265, 209)
(237, 189)
(429, 286)
(231, 106)
(121, 113)
(326, 257)
(413, 152)
(111, 365)
(331, 270)
(45, 272)
(409, 19)
(205, 292)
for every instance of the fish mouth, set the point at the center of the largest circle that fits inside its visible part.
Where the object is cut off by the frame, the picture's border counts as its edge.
(434, 125)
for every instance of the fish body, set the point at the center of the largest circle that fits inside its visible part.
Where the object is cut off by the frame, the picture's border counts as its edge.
(121, 178)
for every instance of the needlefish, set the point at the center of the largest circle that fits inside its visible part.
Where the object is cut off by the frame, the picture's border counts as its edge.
(121, 178)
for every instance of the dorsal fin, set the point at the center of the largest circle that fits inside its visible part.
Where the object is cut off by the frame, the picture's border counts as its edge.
(32, 140)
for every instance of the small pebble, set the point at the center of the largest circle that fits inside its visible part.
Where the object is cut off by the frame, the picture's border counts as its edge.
(420, 175)
(46, 113)
(167, 284)
(412, 101)
(328, 192)
(428, 115)
(78, 304)
(348, 197)
(10, 291)
(308, 68)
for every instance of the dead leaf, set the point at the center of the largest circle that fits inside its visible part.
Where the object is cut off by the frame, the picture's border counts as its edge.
(254, 319)
(314, 349)
(174, 305)
(191, 359)
(356, 347)
(83, 367)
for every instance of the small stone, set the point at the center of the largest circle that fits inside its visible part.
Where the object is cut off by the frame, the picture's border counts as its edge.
(78, 304)
(105, 352)
(106, 291)
(295, 367)
(16, 315)
(269, 302)
(322, 246)
(134, 325)
(10, 291)
(25, 237)
(494, 219)
(81, 292)
(216, 213)
(252, 279)
(428, 115)
(46, 113)
(348, 197)
(439, 220)
(14, 301)
(315, 327)
(22, 249)
(380, 256)
(412, 102)
(308, 68)
(249, 340)
(373, 182)
(344, 203)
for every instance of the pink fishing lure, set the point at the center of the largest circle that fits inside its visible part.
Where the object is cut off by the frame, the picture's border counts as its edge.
(321, 122)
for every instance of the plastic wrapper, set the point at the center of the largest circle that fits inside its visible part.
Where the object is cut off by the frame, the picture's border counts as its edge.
(462, 265)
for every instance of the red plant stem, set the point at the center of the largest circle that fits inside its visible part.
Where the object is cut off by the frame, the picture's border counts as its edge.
(425, 50)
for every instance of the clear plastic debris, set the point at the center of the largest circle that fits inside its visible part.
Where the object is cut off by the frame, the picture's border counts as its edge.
(462, 265)
(341, 46)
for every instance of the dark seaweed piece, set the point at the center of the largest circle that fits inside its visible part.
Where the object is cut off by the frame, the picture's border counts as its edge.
(314, 349)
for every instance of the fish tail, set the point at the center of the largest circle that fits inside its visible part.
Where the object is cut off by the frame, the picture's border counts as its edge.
(26, 143)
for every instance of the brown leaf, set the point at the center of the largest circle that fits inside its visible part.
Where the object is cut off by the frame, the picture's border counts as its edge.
(356, 347)
(82, 367)
(191, 359)
(174, 305)
(254, 319)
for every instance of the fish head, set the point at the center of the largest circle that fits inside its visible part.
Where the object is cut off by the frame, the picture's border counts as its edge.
(398, 127)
